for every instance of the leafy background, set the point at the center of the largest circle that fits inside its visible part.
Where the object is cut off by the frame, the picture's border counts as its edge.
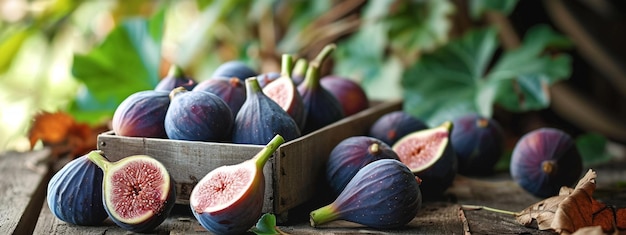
(514, 61)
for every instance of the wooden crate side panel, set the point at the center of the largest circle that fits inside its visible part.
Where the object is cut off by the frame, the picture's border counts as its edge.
(187, 161)
(301, 164)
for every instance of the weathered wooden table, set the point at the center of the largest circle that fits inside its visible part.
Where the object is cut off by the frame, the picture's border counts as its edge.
(24, 177)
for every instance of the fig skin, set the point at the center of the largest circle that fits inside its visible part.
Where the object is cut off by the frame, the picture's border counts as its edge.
(383, 195)
(439, 176)
(545, 159)
(198, 115)
(392, 126)
(142, 115)
(478, 143)
(260, 118)
(234, 68)
(350, 94)
(159, 210)
(232, 91)
(233, 210)
(352, 154)
(321, 106)
(284, 87)
(267, 78)
(175, 78)
(74, 193)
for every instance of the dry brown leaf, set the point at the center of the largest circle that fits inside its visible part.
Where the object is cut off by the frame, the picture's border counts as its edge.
(574, 209)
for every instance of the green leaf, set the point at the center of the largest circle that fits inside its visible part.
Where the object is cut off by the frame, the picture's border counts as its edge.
(127, 61)
(458, 78)
(10, 45)
(478, 7)
(592, 148)
(266, 225)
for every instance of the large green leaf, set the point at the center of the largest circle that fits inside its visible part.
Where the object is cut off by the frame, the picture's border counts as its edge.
(478, 7)
(127, 61)
(458, 78)
(10, 46)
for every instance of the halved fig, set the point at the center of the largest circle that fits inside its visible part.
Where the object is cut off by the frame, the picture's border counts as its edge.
(285, 93)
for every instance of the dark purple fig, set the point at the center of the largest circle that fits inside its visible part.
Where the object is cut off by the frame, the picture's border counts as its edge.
(321, 106)
(285, 93)
(142, 115)
(392, 126)
(197, 115)
(383, 194)
(545, 159)
(299, 71)
(429, 155)
(137, 191)
(175, 78)
(75, 193)
(229, 199)
(267, 78)
(352, 154)
(478, 143)
(260, 118)
(350, 94)
(234, 68)
(232, 91)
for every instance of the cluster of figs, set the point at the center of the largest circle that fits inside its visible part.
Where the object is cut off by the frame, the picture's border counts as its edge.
(378, 180)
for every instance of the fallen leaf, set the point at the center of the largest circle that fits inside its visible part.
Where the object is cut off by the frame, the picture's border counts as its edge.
(574, 209)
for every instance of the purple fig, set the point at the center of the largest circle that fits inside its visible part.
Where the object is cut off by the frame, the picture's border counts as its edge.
(284, 92)
(267, 78)
(392, 126)
(350, 94)
(233, 68)
(478, 143)
(175, 78)
(142, 115)
(229, 199)
(232, 91)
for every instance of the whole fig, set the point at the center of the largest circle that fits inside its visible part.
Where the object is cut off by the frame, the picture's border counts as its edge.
(137, 191)
(392, 126)
(233, 68)
(232, 91)
(478, 143)
(352, 154)
(75, 193)
(260, 118)
(545, 159)
(229, 199)
(142, 114)
(383, 194)
(284, 92)
(175, 78)
(350, 94)
(197, 115)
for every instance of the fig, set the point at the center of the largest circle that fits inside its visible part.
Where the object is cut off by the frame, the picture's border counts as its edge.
(137, 191)
(284, 92)
(142, 114)
(75, 193)
(197, 115)
(175, 78)
(352, 154)
(430, 156)
(229, 199)
(350, 94)
(321, 107)
(299, 71)
(545, 159)
(234, 68)
(383, 194)
(392, 126)
(267, 78)
(260, 118)
(478, 143)
(232, 91)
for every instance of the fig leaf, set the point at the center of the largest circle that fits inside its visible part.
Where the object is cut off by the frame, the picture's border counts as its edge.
(479, 7)
(127, 61)
(266, 225)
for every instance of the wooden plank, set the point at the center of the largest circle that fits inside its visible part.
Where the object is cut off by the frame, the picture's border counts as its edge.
(22, 190)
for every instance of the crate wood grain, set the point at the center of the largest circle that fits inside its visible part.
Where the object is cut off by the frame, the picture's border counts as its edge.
(291, 175)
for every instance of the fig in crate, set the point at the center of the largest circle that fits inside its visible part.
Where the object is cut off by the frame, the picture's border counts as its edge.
(175, 78)
(285, 93)
(232, 91)
(233, 68)
(142, 115)
(350, 94)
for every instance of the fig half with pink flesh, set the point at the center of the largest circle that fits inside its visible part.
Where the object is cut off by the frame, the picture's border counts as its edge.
(229, 199)
(285, 93)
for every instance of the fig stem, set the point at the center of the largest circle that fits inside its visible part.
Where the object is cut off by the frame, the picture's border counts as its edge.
(312, 78)
(96, 157)
(261, 158)
(323, 215)
(286, 65)
(300, 68)
(175, 71)
(252, 87)
(321, 57)
(475, 207)
(177, 91)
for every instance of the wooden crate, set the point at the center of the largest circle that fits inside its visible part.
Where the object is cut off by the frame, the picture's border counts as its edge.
(291, 173)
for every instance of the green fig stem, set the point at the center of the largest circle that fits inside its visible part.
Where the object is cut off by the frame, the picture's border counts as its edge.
(96, 157)
(177, 91)
(321, 57)
(312, 78)
(300, 68)
(261, 158)
(474, 207)
(175, 71)
(252, 87)
(286, 65)
(323, 215)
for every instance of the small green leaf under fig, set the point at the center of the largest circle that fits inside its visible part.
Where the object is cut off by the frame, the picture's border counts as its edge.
(266, 226)
(592, 148)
